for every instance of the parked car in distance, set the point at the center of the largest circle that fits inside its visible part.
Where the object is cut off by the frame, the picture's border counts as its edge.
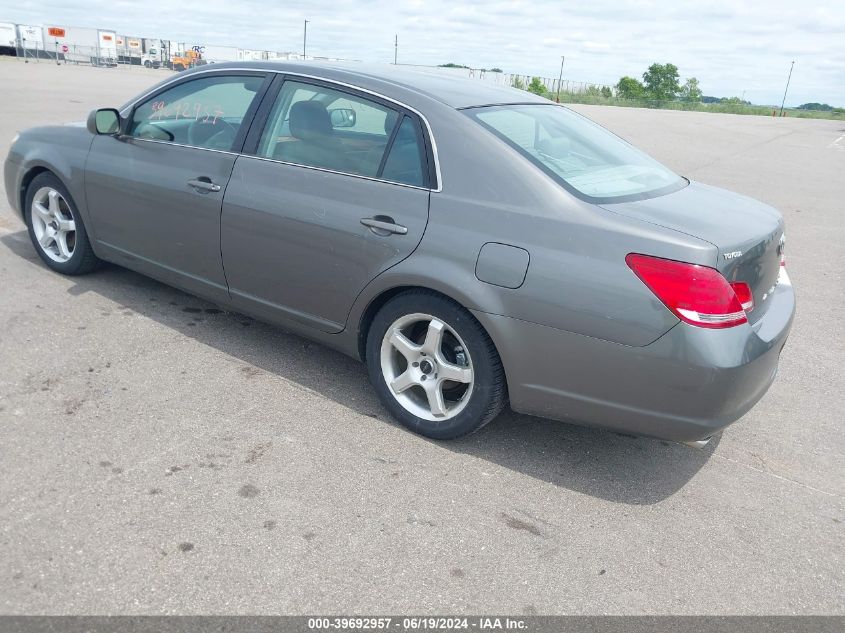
(474, 245)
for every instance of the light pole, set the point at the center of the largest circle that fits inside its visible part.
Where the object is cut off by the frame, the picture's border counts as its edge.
(395, 49)
(560, 78)
(787, 87)
(304, 38)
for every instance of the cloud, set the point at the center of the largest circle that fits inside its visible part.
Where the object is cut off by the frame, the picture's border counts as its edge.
(730, 47)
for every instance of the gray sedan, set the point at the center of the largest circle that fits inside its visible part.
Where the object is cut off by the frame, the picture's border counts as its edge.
(474, 245)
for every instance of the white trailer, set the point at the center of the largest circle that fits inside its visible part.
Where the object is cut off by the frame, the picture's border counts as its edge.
(83, 45)
(108, 47)
(250, 55)
(213, 54)
(30, 40)
(286, 56)
(128, 49)
(8, 38)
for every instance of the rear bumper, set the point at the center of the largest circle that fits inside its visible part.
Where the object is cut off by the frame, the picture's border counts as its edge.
(685, 386)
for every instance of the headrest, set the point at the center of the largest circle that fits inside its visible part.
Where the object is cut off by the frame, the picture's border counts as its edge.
(557, 147)
(389, 122)
(309, 119)
(406, 130)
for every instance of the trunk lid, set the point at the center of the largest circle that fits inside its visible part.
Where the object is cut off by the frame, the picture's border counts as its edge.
(748, 234)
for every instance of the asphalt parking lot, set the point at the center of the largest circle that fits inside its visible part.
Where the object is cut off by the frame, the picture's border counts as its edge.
(162, 456)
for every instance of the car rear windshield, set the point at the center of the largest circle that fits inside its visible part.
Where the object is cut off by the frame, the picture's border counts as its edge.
(586, 159)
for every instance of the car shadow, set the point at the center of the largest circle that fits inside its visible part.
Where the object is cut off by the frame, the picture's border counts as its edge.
(611, 466)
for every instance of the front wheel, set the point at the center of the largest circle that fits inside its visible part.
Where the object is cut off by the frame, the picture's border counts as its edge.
(433, 366)
(55, 227)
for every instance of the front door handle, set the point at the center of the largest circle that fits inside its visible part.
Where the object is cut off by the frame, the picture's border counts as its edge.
(384, 225)
(203, 183)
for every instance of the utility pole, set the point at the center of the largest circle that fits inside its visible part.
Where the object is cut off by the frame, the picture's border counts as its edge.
(395, 49)
(787, 87)
(304, 38)
(560, 77)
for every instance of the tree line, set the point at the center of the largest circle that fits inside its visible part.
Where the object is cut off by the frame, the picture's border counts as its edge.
(661, 82)
(454, 65)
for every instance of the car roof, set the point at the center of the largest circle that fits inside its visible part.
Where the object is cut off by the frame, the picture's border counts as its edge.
(399, 81)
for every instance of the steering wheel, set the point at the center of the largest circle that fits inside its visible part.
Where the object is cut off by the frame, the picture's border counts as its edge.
(216, 134)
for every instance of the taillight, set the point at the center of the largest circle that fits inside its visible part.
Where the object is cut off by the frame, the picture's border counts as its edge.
(743, 293)
(696, 294)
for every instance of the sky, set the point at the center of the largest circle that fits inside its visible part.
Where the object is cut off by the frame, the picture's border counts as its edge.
(734, 48)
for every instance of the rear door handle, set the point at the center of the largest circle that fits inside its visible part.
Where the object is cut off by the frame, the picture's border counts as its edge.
(384, 225)
(204, 184)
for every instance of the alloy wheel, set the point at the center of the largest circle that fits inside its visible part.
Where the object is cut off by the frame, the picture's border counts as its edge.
(427, 367)
(53, 224)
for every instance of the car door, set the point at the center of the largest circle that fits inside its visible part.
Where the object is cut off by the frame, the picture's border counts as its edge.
(331, 190)
(155, 190)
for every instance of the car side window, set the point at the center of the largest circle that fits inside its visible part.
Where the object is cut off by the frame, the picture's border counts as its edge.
(321, 127)
(405, 161)
(206, 112)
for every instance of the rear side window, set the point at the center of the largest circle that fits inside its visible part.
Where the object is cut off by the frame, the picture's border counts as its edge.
(405, 161)
(316, 126)
(206, 112)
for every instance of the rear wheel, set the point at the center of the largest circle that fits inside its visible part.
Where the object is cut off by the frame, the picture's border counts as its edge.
(433, 366)
(55, 227)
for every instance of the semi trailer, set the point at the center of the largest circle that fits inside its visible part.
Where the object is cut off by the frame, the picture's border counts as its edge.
(30, 41)
(82, 45)
(215, 54)
(8, 38)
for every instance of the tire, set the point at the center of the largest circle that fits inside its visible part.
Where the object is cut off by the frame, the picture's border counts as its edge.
(148, 64)
(415, 341)
(55, 227)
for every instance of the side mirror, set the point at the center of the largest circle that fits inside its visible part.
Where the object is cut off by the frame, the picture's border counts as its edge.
(104, 121)
(342, 117)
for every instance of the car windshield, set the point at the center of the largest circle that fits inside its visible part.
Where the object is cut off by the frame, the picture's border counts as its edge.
(586, 159)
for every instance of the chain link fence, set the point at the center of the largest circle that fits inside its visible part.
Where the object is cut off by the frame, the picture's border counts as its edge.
(727, 106)
(65, 54)
(549, 85)
(169, 55)
(590, 93)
